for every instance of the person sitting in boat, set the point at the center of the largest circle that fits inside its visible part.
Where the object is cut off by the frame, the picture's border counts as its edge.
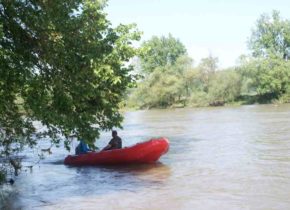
(82, 148)
(115, 143)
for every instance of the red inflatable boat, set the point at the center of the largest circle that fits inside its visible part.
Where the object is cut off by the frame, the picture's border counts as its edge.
(145, 152)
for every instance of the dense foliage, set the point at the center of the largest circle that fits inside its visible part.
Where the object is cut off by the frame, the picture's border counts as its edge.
(271, 37)
(268, 68)
(160, 52)
(261, 77)
(62, 64)
(268, 78)
(164, 86)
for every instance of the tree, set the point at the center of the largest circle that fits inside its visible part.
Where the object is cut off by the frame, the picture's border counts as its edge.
(159, 52)
(270, 78)
(164, 62)
(271, 37)
(61, 63)
(159, 89)
(268, 71)
(207, 68)
(224, 87)
(165, 86)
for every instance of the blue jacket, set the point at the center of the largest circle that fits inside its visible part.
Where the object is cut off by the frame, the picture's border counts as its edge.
(82, 148)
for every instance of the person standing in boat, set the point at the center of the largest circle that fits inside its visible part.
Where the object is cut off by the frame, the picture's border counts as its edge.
(115, 143)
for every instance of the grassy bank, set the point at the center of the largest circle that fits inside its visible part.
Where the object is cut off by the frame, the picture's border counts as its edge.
(204, 101)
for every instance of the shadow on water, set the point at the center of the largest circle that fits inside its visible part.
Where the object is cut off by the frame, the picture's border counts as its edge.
(129, 168)
(153, 170)
(118, 177)
(54, 182)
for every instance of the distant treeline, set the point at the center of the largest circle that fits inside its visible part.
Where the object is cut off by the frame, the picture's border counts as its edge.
(169, 78)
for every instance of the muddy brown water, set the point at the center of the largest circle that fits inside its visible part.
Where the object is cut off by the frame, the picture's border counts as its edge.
(226, 158)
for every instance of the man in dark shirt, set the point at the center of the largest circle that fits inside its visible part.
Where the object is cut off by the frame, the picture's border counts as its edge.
(115, 143)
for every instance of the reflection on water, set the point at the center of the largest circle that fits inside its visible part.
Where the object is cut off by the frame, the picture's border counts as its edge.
(230, 157)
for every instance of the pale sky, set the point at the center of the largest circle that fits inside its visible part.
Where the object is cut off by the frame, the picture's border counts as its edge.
(219, 27)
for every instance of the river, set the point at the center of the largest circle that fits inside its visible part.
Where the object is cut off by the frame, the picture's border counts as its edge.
(225, 157)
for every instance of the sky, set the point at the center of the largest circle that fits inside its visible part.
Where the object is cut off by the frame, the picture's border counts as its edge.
(217, 27)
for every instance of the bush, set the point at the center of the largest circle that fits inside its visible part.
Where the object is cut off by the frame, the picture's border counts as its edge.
(224, 87)
(199, 99)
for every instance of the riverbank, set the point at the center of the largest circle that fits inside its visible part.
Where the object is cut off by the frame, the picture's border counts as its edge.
(203, 102)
